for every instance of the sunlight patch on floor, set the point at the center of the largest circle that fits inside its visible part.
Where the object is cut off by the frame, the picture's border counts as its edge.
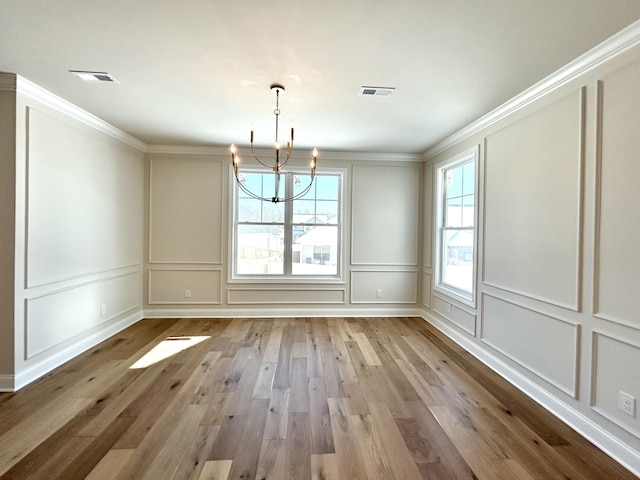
(165, 349)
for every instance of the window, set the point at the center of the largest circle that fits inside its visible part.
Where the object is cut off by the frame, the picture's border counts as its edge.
(289, 239)
(456, 224)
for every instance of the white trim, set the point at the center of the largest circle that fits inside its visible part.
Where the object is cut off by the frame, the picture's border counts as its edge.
(298, 153)
(288, 290)
(470, 155)
(45, 366)
(572, 391)
(610, 48)
(30, 89)
(288, 277)
(618, 450)
(300, 312)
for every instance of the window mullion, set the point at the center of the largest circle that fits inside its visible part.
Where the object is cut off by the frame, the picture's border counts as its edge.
(288, 226)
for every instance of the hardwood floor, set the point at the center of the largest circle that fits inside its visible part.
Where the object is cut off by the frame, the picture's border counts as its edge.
(322, 398)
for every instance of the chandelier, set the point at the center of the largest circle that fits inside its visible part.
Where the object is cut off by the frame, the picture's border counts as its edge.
(278, 165)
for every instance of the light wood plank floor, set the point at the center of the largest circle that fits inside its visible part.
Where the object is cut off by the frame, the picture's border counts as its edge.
(321, 398)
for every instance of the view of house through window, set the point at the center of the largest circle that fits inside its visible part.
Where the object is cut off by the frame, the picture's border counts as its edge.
(457, 225)
(299, 238)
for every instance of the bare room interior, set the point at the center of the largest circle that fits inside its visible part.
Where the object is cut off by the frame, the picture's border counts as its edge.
(319, 240)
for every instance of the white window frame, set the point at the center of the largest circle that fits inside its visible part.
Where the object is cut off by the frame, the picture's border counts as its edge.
(287, 276)
(470, 155)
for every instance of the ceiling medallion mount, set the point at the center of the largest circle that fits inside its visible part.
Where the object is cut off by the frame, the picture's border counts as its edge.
(278, 166)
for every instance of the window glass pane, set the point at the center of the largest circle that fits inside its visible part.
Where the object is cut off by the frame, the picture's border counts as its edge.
(468, 217)
(259, 250)
(249, 210)
(453, 182)
(300, 183)
(327, 187)
(468, 178)
(453, 212)
(327, 211)
(315, 252)
(272, 212)
(251, 181)
(457, 261)
(304, 211)
(260, 243)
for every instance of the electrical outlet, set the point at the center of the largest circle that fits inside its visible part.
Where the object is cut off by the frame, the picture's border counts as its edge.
(187, 293)
(379, 293)
(627, 403)
(103, 309)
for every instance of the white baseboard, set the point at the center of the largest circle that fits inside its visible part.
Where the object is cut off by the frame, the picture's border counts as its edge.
(270, 312)
(613, 446)
(46, 365)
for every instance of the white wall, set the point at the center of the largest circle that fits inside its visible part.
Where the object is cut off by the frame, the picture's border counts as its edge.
(558, 265)
(7, 224)
(188, 239)
(78, 236)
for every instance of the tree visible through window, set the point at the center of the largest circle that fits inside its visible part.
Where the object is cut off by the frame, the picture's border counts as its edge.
(457, 215)
(289, 239)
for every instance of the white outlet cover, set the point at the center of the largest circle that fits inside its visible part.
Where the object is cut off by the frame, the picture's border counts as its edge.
(627, 403)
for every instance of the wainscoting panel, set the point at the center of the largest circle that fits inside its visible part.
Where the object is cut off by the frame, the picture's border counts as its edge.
(84, 201)
(368, 286)
(284, 296)
(546, 346)
(385, 215)
(56, 317)
(185, 211)
(617, 285)
(454, 314)
(616, 368)
(533, 204)
(184, 286)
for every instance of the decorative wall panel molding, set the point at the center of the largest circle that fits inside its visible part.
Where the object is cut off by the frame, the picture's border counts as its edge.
(83, 191)
(545, 345)
(185, 210)
(456, 315)
(617, 258)
(184, 286)
(284, 296)
(384, 286)
(384, 215)
(615, 354)
(58, 316)
(533, 204)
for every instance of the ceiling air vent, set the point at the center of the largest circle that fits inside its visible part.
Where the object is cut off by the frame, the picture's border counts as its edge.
(93, 76)
(376, 91)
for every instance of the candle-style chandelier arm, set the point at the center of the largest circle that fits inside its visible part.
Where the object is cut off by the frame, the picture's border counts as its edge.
(257, 159)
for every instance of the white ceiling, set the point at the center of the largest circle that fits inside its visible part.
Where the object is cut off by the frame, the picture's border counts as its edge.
(197, 72)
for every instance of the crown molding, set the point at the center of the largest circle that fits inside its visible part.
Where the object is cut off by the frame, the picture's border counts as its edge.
(298, 154)
(188, 149)
(610, 48)
(31, 90)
